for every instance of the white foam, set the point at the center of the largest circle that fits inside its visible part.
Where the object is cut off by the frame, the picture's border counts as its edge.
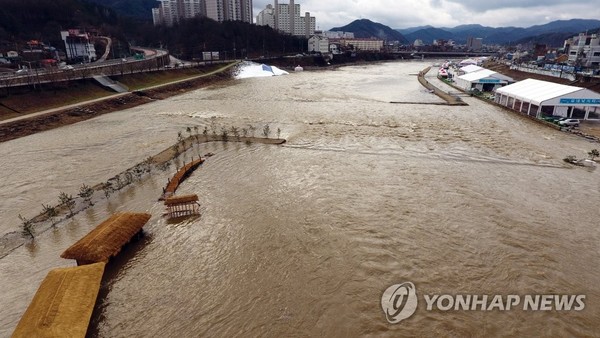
(248, 69)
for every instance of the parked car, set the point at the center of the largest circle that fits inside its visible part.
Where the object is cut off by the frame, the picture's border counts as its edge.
(22, 71)
(569, 122)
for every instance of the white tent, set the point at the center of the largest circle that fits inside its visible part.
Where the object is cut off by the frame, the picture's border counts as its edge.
(539, 98)
(482, 80)
(469, 69)
(467, 62)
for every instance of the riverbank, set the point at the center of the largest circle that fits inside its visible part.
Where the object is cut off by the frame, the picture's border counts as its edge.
(57, 117)
(450, 99)
(162, 161)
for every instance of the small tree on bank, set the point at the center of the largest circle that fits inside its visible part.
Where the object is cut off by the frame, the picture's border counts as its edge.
(266, 131)
(67, 201)
(278, 133)
(86, 192)
(108, 189)
(50, 212)
(205, 133)
(236, 133)
(27, 227)
(224, 134)
(593, 154)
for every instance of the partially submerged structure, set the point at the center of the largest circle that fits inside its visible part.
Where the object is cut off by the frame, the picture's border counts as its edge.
(63, 304)
(107, 239)
(179, 177)
(178, 206)
(541, 98)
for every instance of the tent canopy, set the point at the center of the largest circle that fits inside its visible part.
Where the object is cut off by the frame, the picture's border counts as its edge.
(536, 91)
(470, 69)
(485, 74)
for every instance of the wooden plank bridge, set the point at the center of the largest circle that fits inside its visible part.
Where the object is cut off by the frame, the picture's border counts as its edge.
(179, 177)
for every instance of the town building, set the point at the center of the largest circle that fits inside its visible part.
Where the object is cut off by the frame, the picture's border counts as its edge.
(286, 18)
(78, 45)
(170, 12)
(541, 98)
(584, 50)
(474, 44)
(338, 35)
(266, 17)
(37, 54)
(318, 44)
(367, 44)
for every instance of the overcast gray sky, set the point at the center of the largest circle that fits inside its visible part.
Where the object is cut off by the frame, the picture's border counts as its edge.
(444, 13)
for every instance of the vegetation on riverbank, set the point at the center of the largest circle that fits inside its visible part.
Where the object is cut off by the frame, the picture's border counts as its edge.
(183, 151)
(26, 100)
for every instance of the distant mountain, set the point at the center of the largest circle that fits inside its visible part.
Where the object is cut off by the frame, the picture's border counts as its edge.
(406, 31)
(549, 39)
(365, 28)
(141, 9)
(548, 33)
(427, 35)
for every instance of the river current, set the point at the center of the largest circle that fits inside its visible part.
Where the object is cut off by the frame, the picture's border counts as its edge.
(303, 239)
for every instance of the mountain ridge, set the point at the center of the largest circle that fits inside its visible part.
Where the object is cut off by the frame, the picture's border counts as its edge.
(365, 28)
(504, 35)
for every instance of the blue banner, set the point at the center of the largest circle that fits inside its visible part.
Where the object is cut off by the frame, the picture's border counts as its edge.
(579, 101)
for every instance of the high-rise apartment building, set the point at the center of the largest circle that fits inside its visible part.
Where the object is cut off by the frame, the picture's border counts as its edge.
(172, 11)
(584, 50)
(474, 44)
(286, 18)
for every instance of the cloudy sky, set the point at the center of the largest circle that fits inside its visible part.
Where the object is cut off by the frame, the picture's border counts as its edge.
(443, 13)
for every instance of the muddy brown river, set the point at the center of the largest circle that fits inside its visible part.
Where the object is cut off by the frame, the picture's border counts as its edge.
(302, 239)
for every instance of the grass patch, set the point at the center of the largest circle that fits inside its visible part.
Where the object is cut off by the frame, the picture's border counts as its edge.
(27, 101)
(142, 80)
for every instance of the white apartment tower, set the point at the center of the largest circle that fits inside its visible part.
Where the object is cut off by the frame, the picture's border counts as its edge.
(286, 18)
(172, 11)
(584, 50)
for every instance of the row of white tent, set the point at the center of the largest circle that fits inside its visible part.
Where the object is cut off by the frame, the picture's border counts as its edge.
(541, 98)
(473, 77)
(533, 97)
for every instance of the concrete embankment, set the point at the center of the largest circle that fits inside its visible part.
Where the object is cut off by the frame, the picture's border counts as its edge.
(450, 99)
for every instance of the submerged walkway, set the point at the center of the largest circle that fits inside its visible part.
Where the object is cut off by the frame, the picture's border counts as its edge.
(179, 177)
(451, 100)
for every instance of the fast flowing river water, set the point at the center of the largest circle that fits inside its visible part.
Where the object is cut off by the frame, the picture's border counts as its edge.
(303, 239)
